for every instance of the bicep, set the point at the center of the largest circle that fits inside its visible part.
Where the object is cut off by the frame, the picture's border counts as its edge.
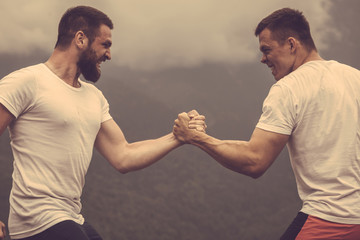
(5, 118)
(110, 140)
(267, 146)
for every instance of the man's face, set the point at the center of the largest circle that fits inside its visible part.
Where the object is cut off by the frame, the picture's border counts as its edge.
(278, 58)
(95, 54)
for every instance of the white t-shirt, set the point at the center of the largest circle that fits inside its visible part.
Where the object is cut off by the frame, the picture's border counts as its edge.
(52, 140)
(319, 106)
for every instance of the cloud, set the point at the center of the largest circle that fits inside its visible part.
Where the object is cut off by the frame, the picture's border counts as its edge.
(156, 34)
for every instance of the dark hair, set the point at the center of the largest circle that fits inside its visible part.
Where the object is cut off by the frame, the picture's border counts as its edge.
(285, 23)
(84, 18)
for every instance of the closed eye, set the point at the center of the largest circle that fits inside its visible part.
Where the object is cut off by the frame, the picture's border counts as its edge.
(107, 44)
(265, 50)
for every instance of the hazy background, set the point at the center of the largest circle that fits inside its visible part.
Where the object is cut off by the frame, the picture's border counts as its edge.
(168, 57)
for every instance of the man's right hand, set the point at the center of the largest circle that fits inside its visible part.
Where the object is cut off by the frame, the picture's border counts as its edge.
(2, 231)
(188, 125)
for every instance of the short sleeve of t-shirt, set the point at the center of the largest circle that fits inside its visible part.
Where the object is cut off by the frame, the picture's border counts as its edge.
(105, 109)
(279, 111)
(17, 91)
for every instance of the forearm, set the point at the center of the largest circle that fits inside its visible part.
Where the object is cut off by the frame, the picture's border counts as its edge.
(124, 156)
(251, 157)
(141, 154)
(235, 155)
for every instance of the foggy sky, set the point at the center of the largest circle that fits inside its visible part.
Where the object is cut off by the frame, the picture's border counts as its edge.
(157, 34)
(202, 55)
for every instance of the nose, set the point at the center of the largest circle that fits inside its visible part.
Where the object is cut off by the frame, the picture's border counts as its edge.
(108, 55)
(263, 59)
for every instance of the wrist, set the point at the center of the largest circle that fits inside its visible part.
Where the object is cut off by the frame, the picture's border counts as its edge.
(198, 138)
(175, 140)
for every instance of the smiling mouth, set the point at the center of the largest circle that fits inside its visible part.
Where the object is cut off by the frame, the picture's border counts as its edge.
(272, 68)
(99, 63)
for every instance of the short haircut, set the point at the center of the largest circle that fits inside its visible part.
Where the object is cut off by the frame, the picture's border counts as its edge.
(285, 23)
(81, 18)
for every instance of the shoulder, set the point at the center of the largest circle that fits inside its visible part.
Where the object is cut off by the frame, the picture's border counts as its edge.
(24, 77)
(323, 67)
(27, 72)
(34, 69)
(307, 75)
(344, 68)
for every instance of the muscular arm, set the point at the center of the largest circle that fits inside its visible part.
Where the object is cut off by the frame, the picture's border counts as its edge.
(5, 118)
(126, 157)
(251, 157)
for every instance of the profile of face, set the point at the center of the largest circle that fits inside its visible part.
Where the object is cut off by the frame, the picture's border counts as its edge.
(96, 53)
(280, 58)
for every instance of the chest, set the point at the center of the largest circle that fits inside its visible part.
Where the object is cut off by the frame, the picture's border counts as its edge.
(66, 111)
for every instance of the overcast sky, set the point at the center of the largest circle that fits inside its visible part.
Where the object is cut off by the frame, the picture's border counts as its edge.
(202, 54)
(156, 34)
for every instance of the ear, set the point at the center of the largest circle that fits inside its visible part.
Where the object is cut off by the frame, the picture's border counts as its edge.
(292, 44)
(81, 40)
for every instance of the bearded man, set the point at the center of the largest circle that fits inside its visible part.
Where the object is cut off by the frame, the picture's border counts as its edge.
(55, 119)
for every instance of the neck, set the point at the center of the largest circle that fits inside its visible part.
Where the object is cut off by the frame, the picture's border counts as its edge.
(306, 57)
(65, 69)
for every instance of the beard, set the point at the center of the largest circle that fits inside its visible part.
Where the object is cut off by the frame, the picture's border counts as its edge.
(88, 65)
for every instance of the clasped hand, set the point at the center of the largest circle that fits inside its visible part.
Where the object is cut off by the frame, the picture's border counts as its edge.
(188, 126)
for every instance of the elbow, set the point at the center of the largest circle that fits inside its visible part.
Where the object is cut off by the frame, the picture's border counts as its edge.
(122, 170)
(121, 167)
(256, 173)
(120, 162)
(255, 169)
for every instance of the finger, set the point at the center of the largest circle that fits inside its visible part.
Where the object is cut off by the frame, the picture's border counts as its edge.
(199, 117)
(200, 129)
(197, 122)
(193, 113)
(183, 116)
(197, 127)
(176, 122)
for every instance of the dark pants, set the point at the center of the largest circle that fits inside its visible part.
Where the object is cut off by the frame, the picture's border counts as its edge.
(295, 227)
(67, 230)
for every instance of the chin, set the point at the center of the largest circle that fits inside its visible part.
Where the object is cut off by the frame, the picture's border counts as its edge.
(92, 78)
(278, 77)
(92, 74)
